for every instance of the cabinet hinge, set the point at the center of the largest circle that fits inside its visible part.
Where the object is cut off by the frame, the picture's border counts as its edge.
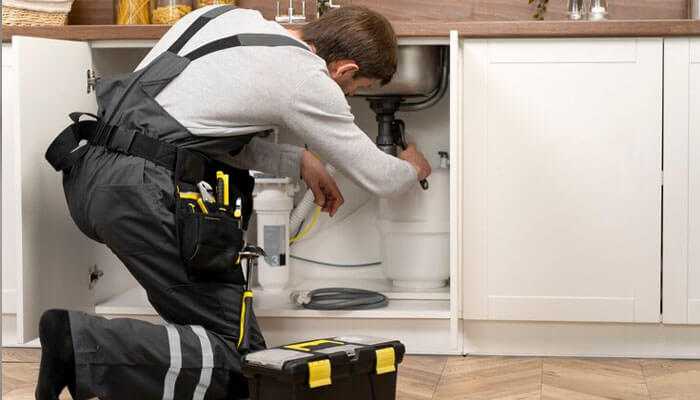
(91, 80)
(661, 178)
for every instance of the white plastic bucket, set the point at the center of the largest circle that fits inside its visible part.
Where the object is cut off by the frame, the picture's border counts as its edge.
(416, 255)
(415, 232)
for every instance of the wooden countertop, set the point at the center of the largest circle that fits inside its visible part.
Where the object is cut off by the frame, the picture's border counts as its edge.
(468, 29)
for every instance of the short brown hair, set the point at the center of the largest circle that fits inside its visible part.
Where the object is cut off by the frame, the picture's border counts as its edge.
(355, 33)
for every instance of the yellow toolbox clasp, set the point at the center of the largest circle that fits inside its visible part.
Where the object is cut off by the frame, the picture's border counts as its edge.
(319, 373)
(386, 360)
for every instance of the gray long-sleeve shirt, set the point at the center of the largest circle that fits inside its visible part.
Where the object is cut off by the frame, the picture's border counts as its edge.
(248, 89)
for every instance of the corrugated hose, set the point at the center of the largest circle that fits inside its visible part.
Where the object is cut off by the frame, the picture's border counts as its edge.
(339, 299)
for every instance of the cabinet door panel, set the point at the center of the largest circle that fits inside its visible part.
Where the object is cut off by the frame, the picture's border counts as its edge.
(55, 255)
(681, 237)
(562, 143)
(9, 211)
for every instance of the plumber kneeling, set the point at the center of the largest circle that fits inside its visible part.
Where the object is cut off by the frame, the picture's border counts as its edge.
(160, 176)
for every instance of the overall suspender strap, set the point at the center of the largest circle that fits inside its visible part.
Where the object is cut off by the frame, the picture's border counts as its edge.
(244, 39)
(196, 26)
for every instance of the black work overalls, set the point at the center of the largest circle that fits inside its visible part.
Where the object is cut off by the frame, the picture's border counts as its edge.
(121, 190)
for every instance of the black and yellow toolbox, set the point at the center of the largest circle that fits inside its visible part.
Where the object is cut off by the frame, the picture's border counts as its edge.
(339, 368)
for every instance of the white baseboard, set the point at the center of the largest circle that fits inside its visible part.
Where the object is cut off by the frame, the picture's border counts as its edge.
(581, 339)
(480, 337)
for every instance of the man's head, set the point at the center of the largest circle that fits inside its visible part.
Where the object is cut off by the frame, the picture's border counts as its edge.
(358, 44)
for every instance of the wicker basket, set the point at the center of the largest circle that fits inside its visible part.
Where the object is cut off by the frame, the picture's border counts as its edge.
(12, 16)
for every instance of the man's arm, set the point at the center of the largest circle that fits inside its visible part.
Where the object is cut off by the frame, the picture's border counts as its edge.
(291, 161)
(269, 157)
(320, 115)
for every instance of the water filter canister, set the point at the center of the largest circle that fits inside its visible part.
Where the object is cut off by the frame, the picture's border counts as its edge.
(273, 204)
(415, 233)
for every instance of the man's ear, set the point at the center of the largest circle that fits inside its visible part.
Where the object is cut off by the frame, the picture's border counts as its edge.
(343, 69)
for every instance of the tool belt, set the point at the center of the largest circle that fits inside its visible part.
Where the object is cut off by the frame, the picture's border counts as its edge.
(210, 235)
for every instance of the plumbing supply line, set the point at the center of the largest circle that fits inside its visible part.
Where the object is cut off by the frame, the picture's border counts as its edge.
(339, 299)
(371, 264)
(307, 229)
(302, 210)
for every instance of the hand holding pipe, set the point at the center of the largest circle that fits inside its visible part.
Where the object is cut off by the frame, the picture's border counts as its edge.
(399, 133)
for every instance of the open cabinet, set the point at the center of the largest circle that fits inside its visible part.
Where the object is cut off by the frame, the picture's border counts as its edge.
(53, 259)
(50, 257)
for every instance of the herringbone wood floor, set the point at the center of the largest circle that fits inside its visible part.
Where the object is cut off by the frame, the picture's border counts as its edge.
(483, 378)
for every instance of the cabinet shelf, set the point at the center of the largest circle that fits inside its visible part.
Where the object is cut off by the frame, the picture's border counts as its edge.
(277, 305)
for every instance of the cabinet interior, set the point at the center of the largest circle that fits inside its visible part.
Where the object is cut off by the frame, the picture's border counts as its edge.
(117, 293)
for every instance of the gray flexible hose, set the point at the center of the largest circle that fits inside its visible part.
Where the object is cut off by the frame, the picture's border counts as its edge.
(340, 299)
(370, 264)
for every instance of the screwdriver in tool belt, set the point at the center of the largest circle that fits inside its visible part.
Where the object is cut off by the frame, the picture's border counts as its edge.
(238, 212)
(222, 189)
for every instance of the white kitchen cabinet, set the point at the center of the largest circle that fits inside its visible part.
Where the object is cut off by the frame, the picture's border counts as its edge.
(48, 256)
(46, 259)
(51, 258)
(561, 141)
(9, 274)
(555, 196)
(681, 222)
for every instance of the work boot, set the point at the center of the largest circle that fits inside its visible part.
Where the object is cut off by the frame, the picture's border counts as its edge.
(57, 368)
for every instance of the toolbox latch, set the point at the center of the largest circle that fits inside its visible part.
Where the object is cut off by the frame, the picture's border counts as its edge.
(386, 360)
(319, 373)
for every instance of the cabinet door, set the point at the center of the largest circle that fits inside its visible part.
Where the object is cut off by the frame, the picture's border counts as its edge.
(561, 179)
(54, 257)
(9, 243)
(681, 234)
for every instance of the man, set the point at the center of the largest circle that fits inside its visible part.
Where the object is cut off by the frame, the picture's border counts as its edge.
(217, 80)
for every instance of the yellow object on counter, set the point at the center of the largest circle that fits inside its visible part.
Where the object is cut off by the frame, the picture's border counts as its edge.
(133, 12)
(204, 3)
(169, 15)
